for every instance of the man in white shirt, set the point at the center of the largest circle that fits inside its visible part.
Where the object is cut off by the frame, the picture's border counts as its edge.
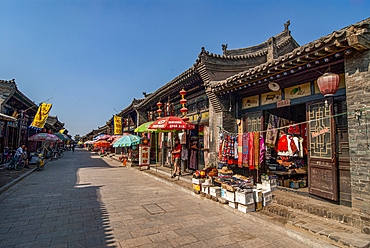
(16, 158)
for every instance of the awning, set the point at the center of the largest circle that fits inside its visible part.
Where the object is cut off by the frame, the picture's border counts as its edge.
(5, 117)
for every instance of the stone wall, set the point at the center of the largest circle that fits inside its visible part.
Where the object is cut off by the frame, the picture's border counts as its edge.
(357, 73)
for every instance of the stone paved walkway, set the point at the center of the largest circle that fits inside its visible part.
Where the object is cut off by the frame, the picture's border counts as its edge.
(83, 200)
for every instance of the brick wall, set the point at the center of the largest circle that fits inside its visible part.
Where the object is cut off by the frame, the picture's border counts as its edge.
(357, 72)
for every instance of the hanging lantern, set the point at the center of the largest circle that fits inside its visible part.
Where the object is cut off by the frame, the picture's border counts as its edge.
(183, 101)
(328, 84)
(159, 111)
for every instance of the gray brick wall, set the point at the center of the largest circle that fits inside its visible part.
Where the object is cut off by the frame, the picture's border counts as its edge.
(357, 72)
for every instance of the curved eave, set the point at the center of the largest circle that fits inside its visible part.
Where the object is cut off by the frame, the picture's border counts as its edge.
(183, 77)
(315, 50)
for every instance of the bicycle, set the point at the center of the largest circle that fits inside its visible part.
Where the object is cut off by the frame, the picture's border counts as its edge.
(60, 154)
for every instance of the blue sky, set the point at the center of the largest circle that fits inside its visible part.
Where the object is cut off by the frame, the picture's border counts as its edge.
(94, 56)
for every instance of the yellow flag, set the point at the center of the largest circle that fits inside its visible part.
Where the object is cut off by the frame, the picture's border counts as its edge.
(62, 130)
(117, 123)
(41, 115)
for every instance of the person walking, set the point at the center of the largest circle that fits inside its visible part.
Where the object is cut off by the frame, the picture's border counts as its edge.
(73, 147)
(177, 154)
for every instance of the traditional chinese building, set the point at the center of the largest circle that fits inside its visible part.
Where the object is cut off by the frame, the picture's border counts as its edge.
(284, 87)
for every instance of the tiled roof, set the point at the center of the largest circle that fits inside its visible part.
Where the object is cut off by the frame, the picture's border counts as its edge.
(336, 38)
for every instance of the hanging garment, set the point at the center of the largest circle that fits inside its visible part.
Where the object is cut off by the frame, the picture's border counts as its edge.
(262, 149)
(283, 143)
(245, 149)
(251, 152)
(304, 136)
(256, 148)
(184, 154)
(161, 140)
(221, 147)
(193, 160)
(182, 138)
(271, 135)
(206, 158)
(293, 146)
(300, 140)
(206, 137)
(169, 139)
(240, 150)
(236, 144)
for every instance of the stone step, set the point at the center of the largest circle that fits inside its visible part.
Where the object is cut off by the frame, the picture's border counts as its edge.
(324, 229)
(322, 208)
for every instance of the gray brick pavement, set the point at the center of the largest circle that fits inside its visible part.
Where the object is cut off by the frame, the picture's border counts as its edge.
(83, 200)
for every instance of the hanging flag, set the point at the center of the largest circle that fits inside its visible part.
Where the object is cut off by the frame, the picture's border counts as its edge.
(117, 123)
(41, 115)
(62, 130)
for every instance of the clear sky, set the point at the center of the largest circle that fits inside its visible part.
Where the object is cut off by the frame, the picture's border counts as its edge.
(93, 57)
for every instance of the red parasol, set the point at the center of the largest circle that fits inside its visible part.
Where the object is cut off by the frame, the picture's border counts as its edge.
(171, 123)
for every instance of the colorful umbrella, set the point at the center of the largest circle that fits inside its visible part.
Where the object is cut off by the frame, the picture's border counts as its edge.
(103, 143)
(114, 138)
(44, 137)
(144, 128)
(171, 123)
(63, 137)
(127, 140)
(104, 137)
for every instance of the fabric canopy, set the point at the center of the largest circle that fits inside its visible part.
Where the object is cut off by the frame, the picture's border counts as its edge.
(127, 140)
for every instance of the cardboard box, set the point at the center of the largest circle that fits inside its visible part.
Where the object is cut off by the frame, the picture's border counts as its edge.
(266, 203)
(257, 194)
(267, 198)
(233, 205)
(198, 181)
(205, 189)
(294, 184)
(215, 191)
(230, 196)
(286, 183)
(246, 208)
(197, 186)
(266, 193)
(223, 193)
(244, 198)
(258, 205)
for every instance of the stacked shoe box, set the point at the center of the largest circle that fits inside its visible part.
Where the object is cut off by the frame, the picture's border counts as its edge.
(245, 200)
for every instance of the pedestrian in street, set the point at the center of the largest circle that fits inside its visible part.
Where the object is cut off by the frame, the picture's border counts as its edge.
(26, 157)
(73, 147)
(17, 157)
(177, 154)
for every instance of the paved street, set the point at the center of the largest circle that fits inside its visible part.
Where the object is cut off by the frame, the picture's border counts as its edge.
(83, 200)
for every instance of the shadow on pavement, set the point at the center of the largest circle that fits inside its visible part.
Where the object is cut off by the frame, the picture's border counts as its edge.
(57, 207)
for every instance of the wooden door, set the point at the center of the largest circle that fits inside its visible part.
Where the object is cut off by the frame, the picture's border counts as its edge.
(342, 152)
(322, 168)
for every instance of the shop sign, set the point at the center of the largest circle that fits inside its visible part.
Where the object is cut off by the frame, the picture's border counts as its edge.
(196, 117)
(298, 91)
(283, 103)
(144, 158)
(270, 97)
(190, 118)
(205, 115)
(250, 102)
(325, 130)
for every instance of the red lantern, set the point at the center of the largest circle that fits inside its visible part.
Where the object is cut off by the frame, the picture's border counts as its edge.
(184, 110)
(43, 130)
(185, 118)
(159, 104)
(328, 84)
(183, 101)
(183, 92)
(159, 111)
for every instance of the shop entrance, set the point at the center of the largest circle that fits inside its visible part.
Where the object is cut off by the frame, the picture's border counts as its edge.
(286, 142)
